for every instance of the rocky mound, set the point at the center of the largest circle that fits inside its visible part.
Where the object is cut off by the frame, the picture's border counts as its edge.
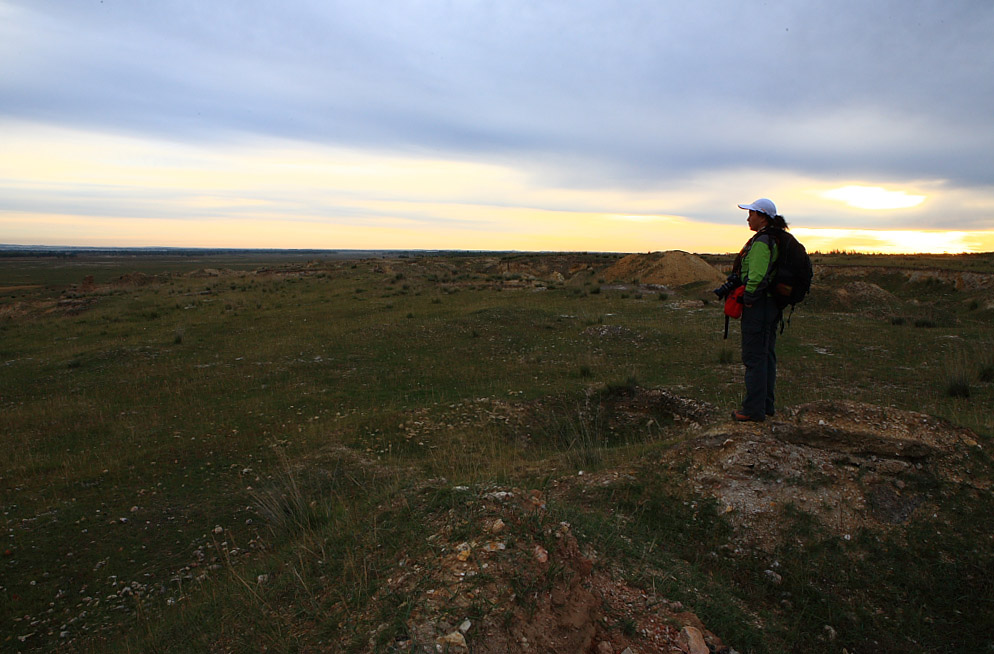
(851, 465)
(864, 297)
(673, 268)
(506, 553)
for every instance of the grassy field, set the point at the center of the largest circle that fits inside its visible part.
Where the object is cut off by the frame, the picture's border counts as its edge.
(231, 455)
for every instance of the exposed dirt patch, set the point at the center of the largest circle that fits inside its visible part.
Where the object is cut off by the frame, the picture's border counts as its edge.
(851, 465)
(135, 280)
(512, 579)
(558, 268)
(14, 310)
(673, 268)
(960, 280)
(72, 306)
(18, 287)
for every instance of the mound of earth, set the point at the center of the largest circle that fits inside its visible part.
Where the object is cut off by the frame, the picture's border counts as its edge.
(850, 465)
(134, 279)
(528, 586)
(554, 268)
(673, 268)
(866, 297)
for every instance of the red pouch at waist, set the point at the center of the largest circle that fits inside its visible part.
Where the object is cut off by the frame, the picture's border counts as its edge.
(733, 303)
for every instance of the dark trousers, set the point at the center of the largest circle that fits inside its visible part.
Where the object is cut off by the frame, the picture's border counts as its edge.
(759, 356)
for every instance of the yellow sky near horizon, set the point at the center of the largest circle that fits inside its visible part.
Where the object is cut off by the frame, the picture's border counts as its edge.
(68, 187)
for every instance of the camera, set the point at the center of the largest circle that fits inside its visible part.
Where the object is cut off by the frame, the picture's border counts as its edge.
(732, 283)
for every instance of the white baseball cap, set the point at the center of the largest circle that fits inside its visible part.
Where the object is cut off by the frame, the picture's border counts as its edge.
(762, 205)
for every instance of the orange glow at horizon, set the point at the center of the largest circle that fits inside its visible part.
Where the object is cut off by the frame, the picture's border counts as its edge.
(99, 190)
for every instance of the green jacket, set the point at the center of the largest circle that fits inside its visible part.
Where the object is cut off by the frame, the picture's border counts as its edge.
(760, 253)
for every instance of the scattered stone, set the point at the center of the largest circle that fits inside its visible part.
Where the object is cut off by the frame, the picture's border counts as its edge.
(541, 555)
(692, 641)
(454, 639)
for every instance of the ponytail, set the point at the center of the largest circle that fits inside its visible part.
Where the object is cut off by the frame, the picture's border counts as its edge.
(779, 222)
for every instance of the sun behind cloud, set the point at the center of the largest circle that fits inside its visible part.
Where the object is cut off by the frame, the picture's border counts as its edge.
(873, 197)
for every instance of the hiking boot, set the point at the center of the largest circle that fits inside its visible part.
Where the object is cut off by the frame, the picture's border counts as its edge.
(738, 416)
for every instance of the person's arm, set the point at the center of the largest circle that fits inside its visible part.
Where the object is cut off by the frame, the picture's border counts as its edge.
(755, 266)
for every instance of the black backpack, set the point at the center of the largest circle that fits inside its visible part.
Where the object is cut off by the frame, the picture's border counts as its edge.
(792, 272)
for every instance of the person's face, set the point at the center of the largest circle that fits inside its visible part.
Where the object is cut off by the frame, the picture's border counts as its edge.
(757, 220)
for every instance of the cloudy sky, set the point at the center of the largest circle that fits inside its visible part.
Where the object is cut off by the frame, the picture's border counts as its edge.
(626, 125)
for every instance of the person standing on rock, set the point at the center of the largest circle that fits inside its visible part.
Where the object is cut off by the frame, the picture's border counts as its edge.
(760, 314)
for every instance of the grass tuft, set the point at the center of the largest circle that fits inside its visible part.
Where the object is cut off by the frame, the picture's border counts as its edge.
(282, 504)
(958, 386)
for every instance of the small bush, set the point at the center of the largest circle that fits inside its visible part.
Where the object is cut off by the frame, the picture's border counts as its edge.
(897, 320)
(986, 373)
(585, 371)
(925, 323)
(726, 356)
